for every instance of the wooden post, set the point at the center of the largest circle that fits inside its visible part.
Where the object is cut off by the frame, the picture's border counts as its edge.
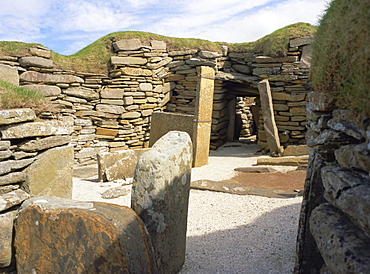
(203, 115)
(271, 130)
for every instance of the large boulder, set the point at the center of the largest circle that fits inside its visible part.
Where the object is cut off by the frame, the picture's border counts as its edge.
(160, 195)
(55, 235)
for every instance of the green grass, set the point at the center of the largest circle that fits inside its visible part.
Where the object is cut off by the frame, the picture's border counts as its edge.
(94, 58)
(341, 55)
(276, 43)
(12, 96)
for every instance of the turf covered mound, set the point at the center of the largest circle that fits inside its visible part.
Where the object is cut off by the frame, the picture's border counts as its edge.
(341, 57)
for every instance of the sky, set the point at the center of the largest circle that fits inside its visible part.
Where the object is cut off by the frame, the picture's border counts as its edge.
(67, 26)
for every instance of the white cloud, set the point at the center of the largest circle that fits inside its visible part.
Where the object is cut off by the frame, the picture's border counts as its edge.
(47, 21)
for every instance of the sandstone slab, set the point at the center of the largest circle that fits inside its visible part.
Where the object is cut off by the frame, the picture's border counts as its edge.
(35, 61)
(13, 165)
(14, 116)
(127, 44)
(37, 77)
(284, 161)
(45, 143)
(117, 165)
(296, 150)
(51, 173)
(46, 90)
(9, 74)
(82, 92)
(12, 178)
(39, 128)
(117, 60)
(160, 194)
(6, 237)
(80, 237)
(10, 199)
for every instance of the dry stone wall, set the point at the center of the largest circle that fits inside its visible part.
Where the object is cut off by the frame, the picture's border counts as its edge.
(35, 159)
(113, 112)
(334, 232)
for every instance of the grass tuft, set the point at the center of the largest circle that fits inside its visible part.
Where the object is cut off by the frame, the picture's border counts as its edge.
(12, 96)
(341, 55)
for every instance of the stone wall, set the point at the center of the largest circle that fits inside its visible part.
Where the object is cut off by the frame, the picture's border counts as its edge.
(35, 160)
(113, 112)
(334, 227)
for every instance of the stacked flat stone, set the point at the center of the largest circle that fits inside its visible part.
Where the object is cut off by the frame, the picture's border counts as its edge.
(113, 112)
(334, 230)
(35, 159)
(243, 108)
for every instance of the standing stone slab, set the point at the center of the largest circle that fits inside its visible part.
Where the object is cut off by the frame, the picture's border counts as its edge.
(51, 173)
(160, 195)
(6, 237)
(203, 115)
(271, 130)
(55, 235)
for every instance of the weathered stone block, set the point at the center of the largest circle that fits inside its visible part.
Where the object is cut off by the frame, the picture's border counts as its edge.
(306, 57)
(51, 173)
(320, 101)
(119, 164)
(301, 41)
(9, 74)
(296, 150)
(160, 196)
(12, 165)
(37, 77)
(354, 156)
(12, 178)
(45, 90)
(35, 61)
(127, 44)
(40, 51)
(344, 247)
(82, 92)
(136, 71)
(45, 143)
(117, 60)
(6, 237)
(158, 45)
(80, 237)
(349, 191)
(110, 108)
(40, 128)
(13, 116)
(10, 199)
(112, 93)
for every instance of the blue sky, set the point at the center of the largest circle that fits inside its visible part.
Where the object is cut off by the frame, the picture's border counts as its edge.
(66, 26)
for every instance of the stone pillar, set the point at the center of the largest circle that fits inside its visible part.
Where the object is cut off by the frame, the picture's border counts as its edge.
(160, 195)
(203, 115)
(271, 130)
(231, 108)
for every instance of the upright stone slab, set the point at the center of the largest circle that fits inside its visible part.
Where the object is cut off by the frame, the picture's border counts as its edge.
(55, 235)
(160, 195)
(203, 115)
(6, 237)
(51, 173)
(271, 130)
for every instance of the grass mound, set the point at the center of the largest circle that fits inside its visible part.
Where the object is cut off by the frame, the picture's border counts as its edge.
(94, 58)
(341, 54)
(12, 96)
